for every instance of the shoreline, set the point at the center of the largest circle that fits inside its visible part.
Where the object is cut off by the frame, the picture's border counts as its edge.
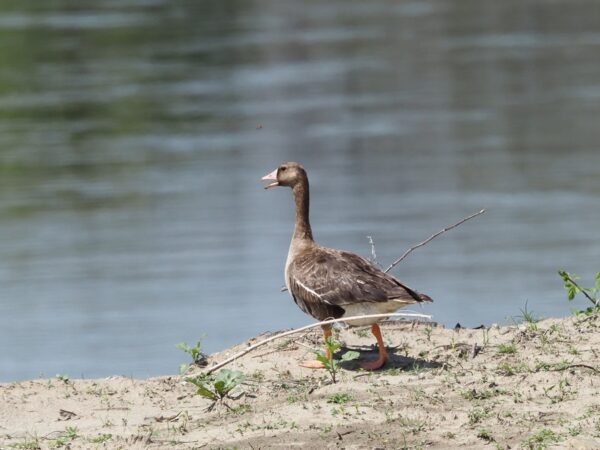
(533, 385)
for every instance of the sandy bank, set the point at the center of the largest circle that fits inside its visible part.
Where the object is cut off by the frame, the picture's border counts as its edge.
(527, 386)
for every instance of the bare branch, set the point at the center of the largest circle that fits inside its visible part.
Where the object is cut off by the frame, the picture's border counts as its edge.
(307, 327)
(373, 254)
(585, 366)
(430, 238)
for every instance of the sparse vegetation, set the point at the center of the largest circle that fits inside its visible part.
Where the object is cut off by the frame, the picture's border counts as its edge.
(64, 440)
(558, 392)
(507, 349)
(101, 438)
(477, 415)
(485, 434)
(508, 369)
(483, 394)
(573, 289)
(218, 387)
(339, 398)
(527, 316)
(331, 363)
(29, 443)
(540, 440)
(528, 390)
(64, 378)
(199, 359)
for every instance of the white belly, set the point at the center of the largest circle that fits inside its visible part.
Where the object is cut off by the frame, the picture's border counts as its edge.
(361, 309)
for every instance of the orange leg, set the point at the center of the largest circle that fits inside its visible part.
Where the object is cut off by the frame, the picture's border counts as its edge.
(383, 355)
(314, 364)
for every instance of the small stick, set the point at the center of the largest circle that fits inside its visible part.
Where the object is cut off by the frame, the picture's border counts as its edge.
(585, 366)
(373, 254)
(307, 327)
(430, 238)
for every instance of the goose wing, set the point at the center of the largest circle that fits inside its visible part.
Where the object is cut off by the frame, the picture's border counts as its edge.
(327, 279)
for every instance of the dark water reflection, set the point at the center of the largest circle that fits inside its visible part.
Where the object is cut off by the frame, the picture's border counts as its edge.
(133, 135)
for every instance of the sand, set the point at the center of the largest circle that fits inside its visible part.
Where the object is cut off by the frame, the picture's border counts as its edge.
(532, 386)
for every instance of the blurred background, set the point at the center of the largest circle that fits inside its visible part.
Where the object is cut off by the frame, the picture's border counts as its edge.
(133, 135)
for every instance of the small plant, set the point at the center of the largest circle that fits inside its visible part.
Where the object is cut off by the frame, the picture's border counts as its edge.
(28, 444)
(339, 398)
(508, 369)
(64, 378)
(507, 349)
(219, 387)
(573, 288)
(331, 364)
(428, 330)
(558, 392)
(101, 438)
(296, 398)
(64, 440)
(411, 424)
(484, 394)
(241, 409)
(486, 435)
(541, 439)
(71, 433)
(486, 336)
(528, 317)
(477, 415)
(362, 332)
(198, 358)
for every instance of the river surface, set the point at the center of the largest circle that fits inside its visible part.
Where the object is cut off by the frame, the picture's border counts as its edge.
(133, 135)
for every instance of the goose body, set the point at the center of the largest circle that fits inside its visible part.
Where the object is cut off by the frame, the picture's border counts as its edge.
(328, 283)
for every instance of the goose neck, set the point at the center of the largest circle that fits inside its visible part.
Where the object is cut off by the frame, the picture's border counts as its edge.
(302, 229)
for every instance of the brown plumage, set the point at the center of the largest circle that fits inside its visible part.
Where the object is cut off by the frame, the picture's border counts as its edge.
(323, 281)
(327, 283)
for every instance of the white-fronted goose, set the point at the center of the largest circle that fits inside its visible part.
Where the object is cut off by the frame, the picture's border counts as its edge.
(328, 283)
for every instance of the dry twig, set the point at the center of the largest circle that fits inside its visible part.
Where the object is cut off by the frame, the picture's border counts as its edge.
(373, 254)
(430, 238)
(307, 327)
(572, 366)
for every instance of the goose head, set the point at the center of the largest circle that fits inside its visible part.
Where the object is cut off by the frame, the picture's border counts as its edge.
(288, 174)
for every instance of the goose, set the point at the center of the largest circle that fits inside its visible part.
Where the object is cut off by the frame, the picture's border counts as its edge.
(327, 283)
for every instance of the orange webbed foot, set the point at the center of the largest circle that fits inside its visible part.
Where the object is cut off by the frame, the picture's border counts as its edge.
(374, 365)
(312, 364)
(383, 356)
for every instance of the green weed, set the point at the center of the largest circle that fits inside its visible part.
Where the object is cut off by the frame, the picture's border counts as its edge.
(558, 392)
(485, 394)
(527, 316)
(101, 438)
(32, 443)
(218, 387)
(477, 415)
(198, 358)
(64, 378)
(332, 364)
(508, 369)
(541, 439)
(64, 440)
(507, 349)
(573, 288)
(339, 398)
(486, 435)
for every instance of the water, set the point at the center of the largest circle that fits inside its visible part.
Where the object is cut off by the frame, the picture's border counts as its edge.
(133, 136)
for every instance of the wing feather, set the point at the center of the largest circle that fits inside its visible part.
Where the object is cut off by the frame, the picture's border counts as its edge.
(323, 280)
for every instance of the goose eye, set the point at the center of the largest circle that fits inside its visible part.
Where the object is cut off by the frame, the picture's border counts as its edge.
(283, 168)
